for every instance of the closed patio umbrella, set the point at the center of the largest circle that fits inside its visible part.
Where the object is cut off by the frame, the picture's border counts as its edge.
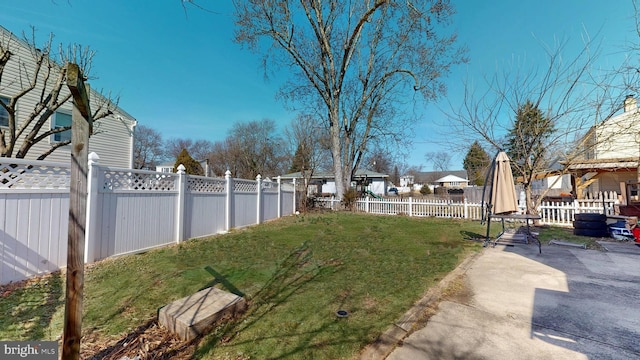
(503, 191)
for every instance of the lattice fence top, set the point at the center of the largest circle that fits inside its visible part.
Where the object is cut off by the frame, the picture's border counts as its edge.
(130, 180)
(245, 185)
(18, 175)
(208, 185)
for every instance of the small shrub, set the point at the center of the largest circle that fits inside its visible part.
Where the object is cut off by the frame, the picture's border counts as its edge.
(349, 198)
(425, 190)
(310, 202)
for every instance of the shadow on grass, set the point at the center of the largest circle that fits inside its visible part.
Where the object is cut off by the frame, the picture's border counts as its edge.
(222, 280)
(293, 273)
(472, 236)
(33, 309)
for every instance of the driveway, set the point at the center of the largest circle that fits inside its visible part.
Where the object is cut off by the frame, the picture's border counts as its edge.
(566, 303)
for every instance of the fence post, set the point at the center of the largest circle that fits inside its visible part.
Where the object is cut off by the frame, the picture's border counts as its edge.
(179, 236)
(465, 211)
(410, 206)
(228, 211)
(91, 233)
(279, 197)
(259, 199)
(366, 204)
(295, 193)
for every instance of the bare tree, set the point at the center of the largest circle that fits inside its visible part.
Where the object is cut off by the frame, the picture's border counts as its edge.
(311, 148)
(379, 160)
(306, 132)
(198, 149)
(571, 99)
(39, 75)
(251, 149)
(441, 160)
(147, 148)
(362, 61)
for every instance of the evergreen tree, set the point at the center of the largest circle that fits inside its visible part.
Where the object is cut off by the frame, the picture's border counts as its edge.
(526, 146)
(300, 160)
(192, 167)
(396, 176)
(527, 140)
(476, 163)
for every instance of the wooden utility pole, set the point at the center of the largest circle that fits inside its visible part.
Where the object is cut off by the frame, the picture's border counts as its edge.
(81, 127)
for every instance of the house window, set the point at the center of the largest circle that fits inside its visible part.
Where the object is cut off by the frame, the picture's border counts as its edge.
(61, 119)
(4, 115)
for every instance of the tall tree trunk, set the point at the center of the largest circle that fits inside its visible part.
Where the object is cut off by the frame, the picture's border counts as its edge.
(336, 153)
(530, 203)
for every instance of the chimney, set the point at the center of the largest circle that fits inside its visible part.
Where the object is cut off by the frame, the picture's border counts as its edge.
(630, 103)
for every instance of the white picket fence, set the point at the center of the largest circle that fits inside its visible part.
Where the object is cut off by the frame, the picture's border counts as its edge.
(563, 213)
(552, 213)
(128, 211)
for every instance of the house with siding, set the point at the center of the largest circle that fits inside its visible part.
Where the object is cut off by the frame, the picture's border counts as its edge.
(167, 167)
(451, 179)
(322, 183)
(611, 154)
(113, 135)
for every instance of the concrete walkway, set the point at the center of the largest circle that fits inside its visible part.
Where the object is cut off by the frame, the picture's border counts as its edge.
(566, 303)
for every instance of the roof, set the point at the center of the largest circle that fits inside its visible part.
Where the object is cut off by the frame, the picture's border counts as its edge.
(451, 178)
(427, 176)
(604, 164)
(329, 175)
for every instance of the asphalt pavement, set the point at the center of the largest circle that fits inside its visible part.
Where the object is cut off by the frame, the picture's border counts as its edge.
(566, 303)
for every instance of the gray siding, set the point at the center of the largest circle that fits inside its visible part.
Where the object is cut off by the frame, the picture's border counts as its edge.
(113, 140)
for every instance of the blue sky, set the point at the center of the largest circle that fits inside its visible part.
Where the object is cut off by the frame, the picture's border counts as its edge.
(182, 75)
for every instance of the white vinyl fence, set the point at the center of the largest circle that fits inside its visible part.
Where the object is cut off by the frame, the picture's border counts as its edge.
(552, 213)
(128, 211)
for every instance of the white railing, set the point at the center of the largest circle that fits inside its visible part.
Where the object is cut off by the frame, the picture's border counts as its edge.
(128, 211)
(563, 213)
(552, 213)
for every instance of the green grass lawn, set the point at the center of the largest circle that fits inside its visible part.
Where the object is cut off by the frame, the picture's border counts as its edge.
(295, 272)
(549, 233)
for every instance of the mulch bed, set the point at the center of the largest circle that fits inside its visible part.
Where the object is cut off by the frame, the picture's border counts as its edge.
(148, 341)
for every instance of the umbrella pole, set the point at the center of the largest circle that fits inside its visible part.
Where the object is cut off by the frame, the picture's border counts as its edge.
(486, 240)
(490, 175)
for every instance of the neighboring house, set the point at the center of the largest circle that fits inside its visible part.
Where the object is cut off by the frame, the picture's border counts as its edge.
(324, 182)
(612, 151)
(560, 183)
(167, 167)
(406, 180)
(113, 135)
(432, 177)
(551, 182)
(452, 182)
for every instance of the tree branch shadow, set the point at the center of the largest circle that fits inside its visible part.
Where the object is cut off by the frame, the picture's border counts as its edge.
(150, 341)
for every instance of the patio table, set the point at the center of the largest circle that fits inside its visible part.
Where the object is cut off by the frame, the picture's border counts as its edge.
(527, 235)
